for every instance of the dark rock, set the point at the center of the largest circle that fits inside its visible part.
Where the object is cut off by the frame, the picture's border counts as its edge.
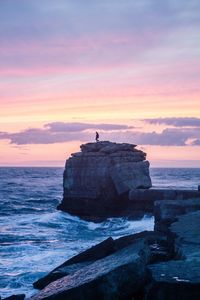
(174, 280)
(151, 195)
(143, 199)
(104, 249)
(116, 276)
(179, 279)
(77, 262)
(167, 211)
(106, 147)
(127, 176)
(187, 237)
(15, 297)
(97, 180)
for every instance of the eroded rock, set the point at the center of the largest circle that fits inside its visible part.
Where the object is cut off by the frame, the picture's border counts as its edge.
(174, 280)
(97, 179)
(167, 211)
(116, 276)
(187, 237)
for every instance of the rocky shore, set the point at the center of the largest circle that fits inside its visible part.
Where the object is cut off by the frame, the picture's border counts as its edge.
(109, 179)
(159, 265)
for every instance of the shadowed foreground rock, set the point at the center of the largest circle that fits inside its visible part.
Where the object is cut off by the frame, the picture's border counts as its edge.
(144, 199)
(116, 276)
(144, 266)
(77, 262)
(98, 179)
(179, 279)
(167, 211)
(15, 297)
(103, 249)
(174, 280)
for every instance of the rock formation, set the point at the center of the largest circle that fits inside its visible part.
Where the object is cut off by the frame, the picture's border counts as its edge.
(178, 279)
(118, 272)
(162, 265)
(97, 179)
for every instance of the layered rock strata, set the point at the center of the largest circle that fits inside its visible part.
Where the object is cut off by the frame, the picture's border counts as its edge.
(98, 179)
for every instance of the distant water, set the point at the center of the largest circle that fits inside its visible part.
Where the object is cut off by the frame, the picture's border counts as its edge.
(35, 237)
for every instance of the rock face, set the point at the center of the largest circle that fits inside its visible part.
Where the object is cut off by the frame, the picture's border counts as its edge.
(97, 178)
(116, 272)
(143, 266)
(167, 211)
(187, 237)
(174, 280)
(77, 262)
(179, 279)
(103, 249)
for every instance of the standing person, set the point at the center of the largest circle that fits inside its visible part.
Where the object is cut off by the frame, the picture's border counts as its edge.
(97, 137)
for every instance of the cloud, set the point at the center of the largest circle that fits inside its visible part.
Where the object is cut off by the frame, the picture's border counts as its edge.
(61, 132)
(76, 126)
(168, 137)
(196, 142)
(177, 122)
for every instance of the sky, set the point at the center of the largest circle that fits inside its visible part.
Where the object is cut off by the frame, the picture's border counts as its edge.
(129, 69)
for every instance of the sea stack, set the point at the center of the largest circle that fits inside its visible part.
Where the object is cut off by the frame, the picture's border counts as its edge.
(97, 179)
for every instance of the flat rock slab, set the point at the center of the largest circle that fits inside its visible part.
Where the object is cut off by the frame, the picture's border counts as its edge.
(99, 251)
(77, 262)
(187, 232)
(107, 147)
(153, 195)
(167, 211)
(174, 280)
(114, 277)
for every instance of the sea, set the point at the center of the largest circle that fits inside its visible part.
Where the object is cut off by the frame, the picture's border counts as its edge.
(35, 237)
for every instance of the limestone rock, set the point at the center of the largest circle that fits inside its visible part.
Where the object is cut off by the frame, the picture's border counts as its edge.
(167, 211)
(179, 279)
(96, 179)
(116, 276)
(99, 251)
(126, 178)
(77, 262)
(174, 280)
(187, 237)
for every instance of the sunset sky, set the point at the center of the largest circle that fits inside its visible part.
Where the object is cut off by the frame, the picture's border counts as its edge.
(129, 69)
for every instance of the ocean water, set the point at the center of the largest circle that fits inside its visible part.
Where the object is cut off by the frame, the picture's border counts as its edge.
(35, 237)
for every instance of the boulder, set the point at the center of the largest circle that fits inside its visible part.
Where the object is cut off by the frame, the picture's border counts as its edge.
(77, 262)
(97, 180)
(178, 279)
(187, 237)
(101, 250)
(167, 211)
(143, 199)
(117, 276)
(174, 280)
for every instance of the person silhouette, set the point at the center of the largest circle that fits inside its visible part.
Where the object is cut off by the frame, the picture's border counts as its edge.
(97, 137)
